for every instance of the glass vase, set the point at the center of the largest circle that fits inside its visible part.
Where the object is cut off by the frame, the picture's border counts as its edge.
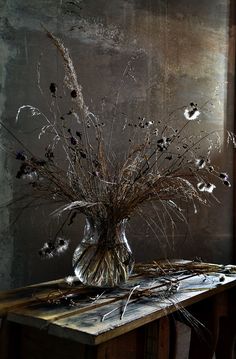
(103, 258)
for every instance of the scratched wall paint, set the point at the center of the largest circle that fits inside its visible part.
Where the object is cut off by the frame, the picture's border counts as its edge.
(180, 51)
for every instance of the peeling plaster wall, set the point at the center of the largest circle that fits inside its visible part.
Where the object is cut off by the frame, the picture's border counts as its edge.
(180, 50)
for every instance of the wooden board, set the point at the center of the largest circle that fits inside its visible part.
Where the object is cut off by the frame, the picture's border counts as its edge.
(9, 300)
(83, 323)
(24, 297)
(31, 301)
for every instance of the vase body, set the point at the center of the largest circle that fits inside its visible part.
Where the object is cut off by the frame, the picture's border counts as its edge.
(103, 258)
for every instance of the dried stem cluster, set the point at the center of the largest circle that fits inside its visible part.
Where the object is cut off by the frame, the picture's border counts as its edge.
(162, 164)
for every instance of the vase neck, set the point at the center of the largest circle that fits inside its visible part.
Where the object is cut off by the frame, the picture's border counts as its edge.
(105, 231)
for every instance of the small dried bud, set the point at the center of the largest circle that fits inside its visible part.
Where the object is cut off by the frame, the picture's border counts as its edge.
(191, 112)
(73, 94)
(223, 176)
(73, 140)
(20, 155)
(227, 183)
(200, 163)
(53, 88)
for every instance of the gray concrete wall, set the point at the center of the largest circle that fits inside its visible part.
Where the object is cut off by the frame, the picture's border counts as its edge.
(180, 50)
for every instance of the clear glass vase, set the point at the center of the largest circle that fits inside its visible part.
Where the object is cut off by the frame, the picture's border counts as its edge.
(103, 258)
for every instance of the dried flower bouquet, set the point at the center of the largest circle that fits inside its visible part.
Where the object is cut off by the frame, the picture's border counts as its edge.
(162, 164)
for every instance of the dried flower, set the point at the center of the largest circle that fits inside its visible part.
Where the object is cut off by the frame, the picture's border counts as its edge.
(223, 176)
(149, 123)
(26, 171)
(53, 88)
(222, 278)
(20, 155)
(82, 153)
(47, 251)
(191, 112)
(61, 245)
(206, 187)
(80, 172)
(32, 176)
(201, 186)
(225, 179)
(73, 140)
(49, 153)
(200, 163)
(79, 134)
(69, 280)
(50, 249)
(163, 143)
(227, 183)
(73, 94)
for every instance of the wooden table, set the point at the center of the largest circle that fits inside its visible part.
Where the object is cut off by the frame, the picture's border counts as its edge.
(54, 320)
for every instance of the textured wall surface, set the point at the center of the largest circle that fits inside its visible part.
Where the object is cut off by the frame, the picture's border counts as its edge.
(159, 55)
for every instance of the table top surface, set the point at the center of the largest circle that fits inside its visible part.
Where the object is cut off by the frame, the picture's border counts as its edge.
(94, 315)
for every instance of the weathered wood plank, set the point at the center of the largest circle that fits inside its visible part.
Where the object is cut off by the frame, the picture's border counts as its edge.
(40, 313)
(23, 296)
(34, 294)
(44, 312)
(89, 329)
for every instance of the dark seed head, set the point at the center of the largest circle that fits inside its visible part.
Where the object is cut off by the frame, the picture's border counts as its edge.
(20, 156)
(82, 154)
(53, 88)
(223, 175)
(49, 153)
(227, 183)
(73, 141)
(61, 242)
(201, 186)
(78, 134)
(73, 94)
(50, 245)
(96, 163)
(48, 251)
